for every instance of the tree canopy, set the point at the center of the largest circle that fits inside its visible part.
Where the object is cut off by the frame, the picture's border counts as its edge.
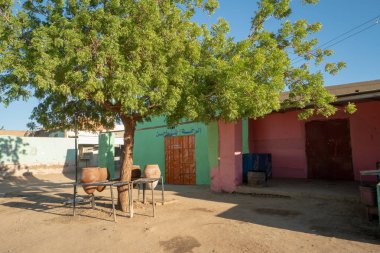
(147, 58)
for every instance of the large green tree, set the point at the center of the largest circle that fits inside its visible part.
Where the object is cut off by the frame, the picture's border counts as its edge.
(130, 60)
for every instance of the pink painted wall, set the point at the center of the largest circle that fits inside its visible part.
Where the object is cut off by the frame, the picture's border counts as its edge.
(365, 137)
(215, 176)
(229, 172)
(283, 135)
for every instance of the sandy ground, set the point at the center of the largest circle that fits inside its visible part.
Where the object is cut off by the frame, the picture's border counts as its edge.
(33, 219)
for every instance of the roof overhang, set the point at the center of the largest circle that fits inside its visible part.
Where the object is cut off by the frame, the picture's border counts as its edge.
(351, 92)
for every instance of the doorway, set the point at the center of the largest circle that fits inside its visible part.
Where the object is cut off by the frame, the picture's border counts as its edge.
(328, 150)
(180, 159)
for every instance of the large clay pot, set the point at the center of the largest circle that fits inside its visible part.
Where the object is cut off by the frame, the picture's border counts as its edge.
(136, 172)
(103, 176)
(89, 175)
(92, 175)
(152, 171)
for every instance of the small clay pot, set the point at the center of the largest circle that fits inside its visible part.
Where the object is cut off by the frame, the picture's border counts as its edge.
(136, 172)
(89, 175)
(152, 171)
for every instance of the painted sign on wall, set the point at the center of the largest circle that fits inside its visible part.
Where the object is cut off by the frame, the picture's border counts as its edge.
(176, 132)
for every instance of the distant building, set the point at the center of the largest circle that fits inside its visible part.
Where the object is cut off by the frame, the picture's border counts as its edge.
(19, 133)
(47, 151)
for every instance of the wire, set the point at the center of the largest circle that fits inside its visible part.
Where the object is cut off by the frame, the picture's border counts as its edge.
(365, 29)
(328, 45)
(300, 58)
(352, 29)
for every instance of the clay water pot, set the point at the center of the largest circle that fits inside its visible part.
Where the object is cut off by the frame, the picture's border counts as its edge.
(136, 172)
(152, 171)
(89, 175)
(103, 176)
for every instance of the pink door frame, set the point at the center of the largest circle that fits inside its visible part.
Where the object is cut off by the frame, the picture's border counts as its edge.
(228, 174)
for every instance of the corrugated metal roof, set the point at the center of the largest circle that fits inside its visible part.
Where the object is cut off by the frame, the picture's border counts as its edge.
(351, 90)
(20, 133)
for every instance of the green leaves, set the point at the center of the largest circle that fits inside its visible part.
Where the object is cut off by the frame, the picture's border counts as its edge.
(138, 59)
(350, 108)
(311, 1)
(14, 58)
(211, 5)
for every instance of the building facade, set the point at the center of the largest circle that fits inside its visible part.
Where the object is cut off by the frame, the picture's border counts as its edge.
(181, 152)
(335, 148)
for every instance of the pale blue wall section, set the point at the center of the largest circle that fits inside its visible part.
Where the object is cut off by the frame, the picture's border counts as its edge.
(149, 146)
(34, 152)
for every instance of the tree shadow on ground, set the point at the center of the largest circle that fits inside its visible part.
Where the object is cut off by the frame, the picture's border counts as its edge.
(31, 193)
(21, 189)
(330, 218)
(34, 194)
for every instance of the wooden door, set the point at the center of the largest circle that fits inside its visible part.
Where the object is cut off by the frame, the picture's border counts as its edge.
(180, 159)
(328, 150)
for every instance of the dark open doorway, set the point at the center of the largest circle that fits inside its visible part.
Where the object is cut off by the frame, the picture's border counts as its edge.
(328, 150)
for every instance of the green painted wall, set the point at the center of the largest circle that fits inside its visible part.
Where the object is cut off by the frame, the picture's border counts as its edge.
(149, 146)
(213, 144)
(106, 155)
(245, 147)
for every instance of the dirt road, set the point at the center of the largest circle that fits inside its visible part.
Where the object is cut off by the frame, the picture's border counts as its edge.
(33, 219)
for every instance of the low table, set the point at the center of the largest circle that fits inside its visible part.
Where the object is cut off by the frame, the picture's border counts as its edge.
(149, 181)
(111, 184)
(102, 183)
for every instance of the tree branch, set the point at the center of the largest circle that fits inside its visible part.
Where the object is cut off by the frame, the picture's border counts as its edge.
(4, 14)
(111, 107)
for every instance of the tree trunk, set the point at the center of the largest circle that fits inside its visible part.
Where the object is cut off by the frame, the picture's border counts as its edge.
(126, 168)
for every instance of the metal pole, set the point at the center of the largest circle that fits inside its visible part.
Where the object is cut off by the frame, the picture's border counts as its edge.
(130, 197)
(76, 147)
(153, 204)
(113, 204)
(162, 191)
(138, 192)
(76, 162)
(144, 187)
(92, 201)
(75, 195)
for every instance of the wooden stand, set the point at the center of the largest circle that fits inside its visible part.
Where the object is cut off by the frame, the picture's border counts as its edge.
(111, 184)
